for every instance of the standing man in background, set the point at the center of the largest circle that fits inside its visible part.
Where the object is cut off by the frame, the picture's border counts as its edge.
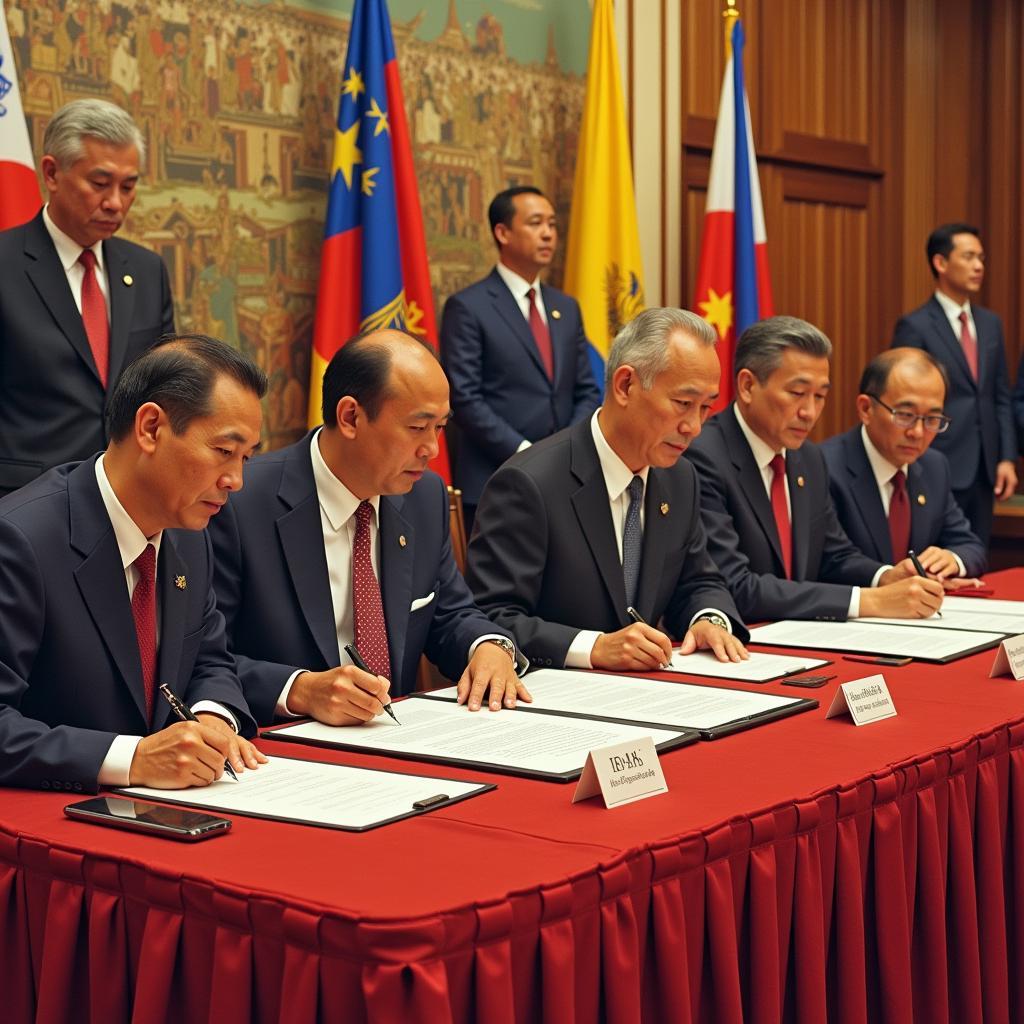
(981, 442)
(76, 304)
(513, 349)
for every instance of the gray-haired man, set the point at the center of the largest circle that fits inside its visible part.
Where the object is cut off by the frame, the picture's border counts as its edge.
(764, 493)
(76, 304)
(603, 517)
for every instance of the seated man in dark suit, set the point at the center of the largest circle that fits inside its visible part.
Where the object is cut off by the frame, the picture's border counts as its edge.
(772, 528)
(106, 587)
(892, 493)
(602, 519)
(343, 538)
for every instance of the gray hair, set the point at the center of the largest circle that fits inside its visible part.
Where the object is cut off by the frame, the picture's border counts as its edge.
(761, 345)
(642, 343)
(94, 119)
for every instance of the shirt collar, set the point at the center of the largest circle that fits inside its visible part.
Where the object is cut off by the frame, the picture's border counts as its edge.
(339, 504)
(131, 541)
(880, 465)
(763, 453)
(517, 285)
(68, 250)
(617, 475)
(951, 308)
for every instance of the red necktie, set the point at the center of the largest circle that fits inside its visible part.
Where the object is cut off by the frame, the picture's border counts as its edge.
(969, 344)
(899, 517)
(94, 315)
(781, 512)
(371, 631)
(541, 335)
(144, 614)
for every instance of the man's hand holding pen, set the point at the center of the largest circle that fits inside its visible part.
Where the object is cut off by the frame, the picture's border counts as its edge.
(339, 696)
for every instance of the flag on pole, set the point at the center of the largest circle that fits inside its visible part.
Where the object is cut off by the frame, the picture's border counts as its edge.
(733, 285)
(602, 264)
(19, 189)
(373, 265)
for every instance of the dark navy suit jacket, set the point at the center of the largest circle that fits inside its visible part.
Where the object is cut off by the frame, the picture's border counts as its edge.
(982, 428)
(501, 393)
(744, 541)
(272, 580)
(51, 400)
(544, 562)
(935, 517)
(70, 674)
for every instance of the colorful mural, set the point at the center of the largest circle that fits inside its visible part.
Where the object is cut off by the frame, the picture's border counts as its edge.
(237, 102)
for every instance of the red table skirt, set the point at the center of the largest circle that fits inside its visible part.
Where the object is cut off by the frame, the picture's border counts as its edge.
(899, 897)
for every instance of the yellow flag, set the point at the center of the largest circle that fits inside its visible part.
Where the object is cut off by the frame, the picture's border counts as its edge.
(602, 263)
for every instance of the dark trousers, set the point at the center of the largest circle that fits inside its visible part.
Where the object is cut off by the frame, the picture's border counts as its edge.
(978, 501)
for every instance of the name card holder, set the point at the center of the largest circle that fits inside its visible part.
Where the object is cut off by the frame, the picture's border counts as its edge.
(1009, 658)
(622, 773)
(867, 700)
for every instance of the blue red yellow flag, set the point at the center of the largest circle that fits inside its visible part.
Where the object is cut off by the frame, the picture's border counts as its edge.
(373, 265)
(603, 270)
(733, 284)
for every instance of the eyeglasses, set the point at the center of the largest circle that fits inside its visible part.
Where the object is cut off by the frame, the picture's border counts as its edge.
(934, 424)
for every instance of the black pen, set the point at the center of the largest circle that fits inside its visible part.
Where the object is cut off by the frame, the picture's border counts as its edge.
(640, 620)
(920, 570)
(357, 659)
(185, 714)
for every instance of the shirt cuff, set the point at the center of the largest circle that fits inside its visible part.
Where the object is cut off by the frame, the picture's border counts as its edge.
(578, 655)
(713, 611)
(853, 612)
(959, 564)
(523, 445)
(878, 575)
(282, 710)
(116, 767)
(211, 707)
(520, 660)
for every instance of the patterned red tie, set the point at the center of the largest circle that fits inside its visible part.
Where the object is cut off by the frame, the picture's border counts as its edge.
(541, 335)
(969, 344)
(371, 631)
(899, 517)
(144, 613)
(94, 315)
(781, 512)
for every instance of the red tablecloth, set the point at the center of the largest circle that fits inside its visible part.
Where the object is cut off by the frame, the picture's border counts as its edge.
(807, 870)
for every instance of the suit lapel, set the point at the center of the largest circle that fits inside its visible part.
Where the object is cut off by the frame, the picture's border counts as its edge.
(920, 512)
(508, 309)
(46, 273)
(301, 535)
(799, 512)
(100, 578)
(944, 331)
(660, 531)
(172, 605)
(122, 305)
(590, 504)
(865, 494)
(560, 342)
(396, 562)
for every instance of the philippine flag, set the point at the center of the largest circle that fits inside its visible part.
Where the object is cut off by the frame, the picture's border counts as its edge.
(733, 285)
(19, 190)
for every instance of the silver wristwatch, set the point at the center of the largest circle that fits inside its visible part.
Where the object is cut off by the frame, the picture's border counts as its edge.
(506, 645)
(715, 619)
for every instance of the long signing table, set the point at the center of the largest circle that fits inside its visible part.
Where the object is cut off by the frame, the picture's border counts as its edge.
(807, 870)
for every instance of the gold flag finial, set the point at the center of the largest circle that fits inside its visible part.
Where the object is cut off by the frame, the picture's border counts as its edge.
(731, 16)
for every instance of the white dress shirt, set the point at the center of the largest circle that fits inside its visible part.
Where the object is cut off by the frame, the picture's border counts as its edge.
(131, 542)
(68, 252)
(617, 478)
(338, 524)
(763, 455)
(884, 471)
(953, 311)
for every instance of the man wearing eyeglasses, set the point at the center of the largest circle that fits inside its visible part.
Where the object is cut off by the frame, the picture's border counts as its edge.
(891, 492)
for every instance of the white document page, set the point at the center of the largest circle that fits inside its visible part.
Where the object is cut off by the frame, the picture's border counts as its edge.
(759, 668)
(636, 699)
(510, 739)
(899, 641)
(310, 791)
(983, 605)
(979, 619)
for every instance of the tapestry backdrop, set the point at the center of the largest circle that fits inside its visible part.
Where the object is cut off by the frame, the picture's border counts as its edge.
(238, 102)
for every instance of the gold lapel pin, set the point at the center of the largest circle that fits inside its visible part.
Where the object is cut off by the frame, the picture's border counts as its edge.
(922, 500)
(664, 508)
(556, 314)
(179, 582)
(799, 481)
(402, 541)
(128, 280)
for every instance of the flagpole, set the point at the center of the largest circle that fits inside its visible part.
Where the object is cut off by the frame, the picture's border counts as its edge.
(730, 16)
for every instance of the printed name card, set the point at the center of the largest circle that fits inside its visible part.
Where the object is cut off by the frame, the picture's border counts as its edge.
(1009, 658)
(622, 773)
(867, 700)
